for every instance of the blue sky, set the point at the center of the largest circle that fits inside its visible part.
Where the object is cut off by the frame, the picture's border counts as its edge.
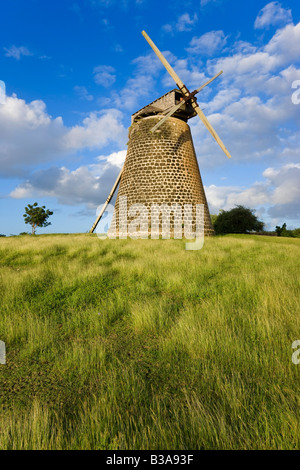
(75, 71)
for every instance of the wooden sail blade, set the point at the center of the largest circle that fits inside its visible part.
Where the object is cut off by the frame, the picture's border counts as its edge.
(110, 196)
(209, 81)
(186, 93)
(163, 60)
(209, 127)
(173, 110)
(177, 106)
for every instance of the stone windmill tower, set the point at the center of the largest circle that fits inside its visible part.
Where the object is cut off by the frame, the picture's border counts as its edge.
(161, 167)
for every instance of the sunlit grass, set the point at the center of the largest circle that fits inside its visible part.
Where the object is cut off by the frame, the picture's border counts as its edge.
(142, 345)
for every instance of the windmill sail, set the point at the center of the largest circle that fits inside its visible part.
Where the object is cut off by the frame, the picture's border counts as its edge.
(185, 91)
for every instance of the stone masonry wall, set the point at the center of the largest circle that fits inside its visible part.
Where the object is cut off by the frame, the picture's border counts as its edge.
(161, 168)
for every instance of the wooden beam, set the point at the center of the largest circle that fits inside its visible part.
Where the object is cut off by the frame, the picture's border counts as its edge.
(177, 106)
(186, 92)
(110, 196)
(209, 127)
(163, 60)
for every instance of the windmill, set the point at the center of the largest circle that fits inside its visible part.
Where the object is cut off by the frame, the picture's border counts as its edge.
(161, 165)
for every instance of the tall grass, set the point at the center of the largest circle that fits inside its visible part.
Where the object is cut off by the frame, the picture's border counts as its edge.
(123, 344)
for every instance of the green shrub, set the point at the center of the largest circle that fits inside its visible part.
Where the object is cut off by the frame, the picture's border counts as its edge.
(237, 220)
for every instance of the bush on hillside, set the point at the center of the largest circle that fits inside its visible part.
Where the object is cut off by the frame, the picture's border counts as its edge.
(237, 220)
(284, 232)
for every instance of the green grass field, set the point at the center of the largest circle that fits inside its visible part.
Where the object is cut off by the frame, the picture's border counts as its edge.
(142, 345)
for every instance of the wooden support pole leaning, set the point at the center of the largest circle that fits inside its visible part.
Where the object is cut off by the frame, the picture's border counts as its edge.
(110, 196)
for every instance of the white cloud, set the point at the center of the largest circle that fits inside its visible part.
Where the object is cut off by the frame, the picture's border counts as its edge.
(189, 74)
(82, 92)
(252, 130)
(285, 198)
(226, 197)
(29, 135)
(255, 65)
(252, 110)
(185, 22)
(167, 28)
(272, 15)
(240, 64)
(89, 185)
(68, 187)
(147, 64)
(286, 181)
(104, 75)
(223, 98)
(141, 84)
(96, 131)
(279, 193)
(114, 159)
(207, 44)
(284, 45)
(17, 52)
(2, 92)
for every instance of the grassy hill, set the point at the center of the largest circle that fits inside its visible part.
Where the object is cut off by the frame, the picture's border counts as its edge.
(143, 345)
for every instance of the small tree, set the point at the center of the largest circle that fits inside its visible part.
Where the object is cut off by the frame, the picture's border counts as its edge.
(237, 220)
(283, 232)
(36, 216)
(279, 229)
